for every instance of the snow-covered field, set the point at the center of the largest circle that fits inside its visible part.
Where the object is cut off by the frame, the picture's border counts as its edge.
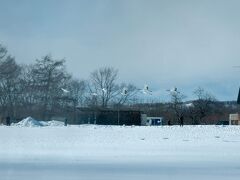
(90, 152)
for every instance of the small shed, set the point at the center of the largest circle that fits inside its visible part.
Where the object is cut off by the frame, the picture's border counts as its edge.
(234, 119)
(153, 121)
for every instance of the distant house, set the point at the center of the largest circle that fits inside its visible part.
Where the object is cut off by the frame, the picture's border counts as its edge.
(108, 116)
(234, 119)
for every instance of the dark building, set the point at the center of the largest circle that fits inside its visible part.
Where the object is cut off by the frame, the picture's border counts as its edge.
(238, 99)
(108, 117)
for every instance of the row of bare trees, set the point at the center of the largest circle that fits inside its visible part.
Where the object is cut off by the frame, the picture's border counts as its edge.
(45, 89)
(203, 109)
(196, 110)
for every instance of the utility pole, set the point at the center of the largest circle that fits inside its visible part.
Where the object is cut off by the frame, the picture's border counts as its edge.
(238, 99)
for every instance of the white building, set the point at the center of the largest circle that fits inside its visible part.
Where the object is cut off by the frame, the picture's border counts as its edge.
(234, 119)
(151, 121)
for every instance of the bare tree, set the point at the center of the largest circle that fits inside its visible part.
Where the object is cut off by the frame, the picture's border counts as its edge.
(77, 90)
(202, 106)
(103, 83)
(191, 113)
(76, 94)
(3, 52)
(9, 82)
(126, 94)
(49, 76)
(177, 105)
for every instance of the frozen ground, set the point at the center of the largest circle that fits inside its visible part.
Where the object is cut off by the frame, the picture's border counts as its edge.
(89, 152)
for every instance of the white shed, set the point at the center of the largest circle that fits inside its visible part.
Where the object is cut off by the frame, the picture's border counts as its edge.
(234, 119)
(152, 121)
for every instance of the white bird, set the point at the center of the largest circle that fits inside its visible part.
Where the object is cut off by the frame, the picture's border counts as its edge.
(173, 90)
(65, 91)
(189, 105)
(104, 90)
(124, 92)
(94, 94)
(146, 90)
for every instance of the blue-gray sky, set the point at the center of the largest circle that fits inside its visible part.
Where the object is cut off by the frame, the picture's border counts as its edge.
(163, 43)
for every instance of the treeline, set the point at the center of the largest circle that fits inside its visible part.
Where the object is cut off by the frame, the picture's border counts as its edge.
(217, 111)
(46, 89)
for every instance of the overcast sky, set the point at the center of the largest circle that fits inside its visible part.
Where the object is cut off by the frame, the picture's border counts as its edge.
(163, 43)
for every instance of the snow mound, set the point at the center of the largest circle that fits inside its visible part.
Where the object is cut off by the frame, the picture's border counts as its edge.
(55, 123)
(30, 122)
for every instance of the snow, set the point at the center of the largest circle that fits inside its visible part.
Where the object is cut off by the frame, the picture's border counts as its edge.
(119, 152)
(55, 123)
(30, 122)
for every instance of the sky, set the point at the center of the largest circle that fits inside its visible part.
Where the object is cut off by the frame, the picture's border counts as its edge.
(162, 43)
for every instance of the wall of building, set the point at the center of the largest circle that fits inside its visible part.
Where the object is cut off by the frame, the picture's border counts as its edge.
(234, 119)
